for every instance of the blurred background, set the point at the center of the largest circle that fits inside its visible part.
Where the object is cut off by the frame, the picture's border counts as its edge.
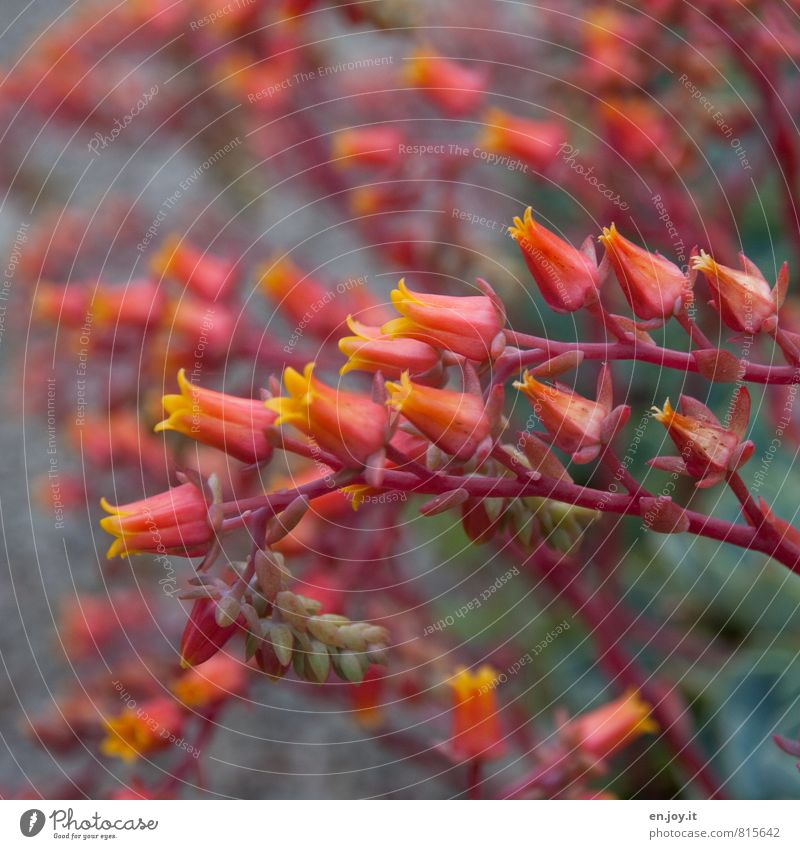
(317, 153)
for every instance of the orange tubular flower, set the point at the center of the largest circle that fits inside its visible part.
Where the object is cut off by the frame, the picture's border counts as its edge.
(743, 298)
(476, 725)
(567, 278)
(196, 321)
(535, 143)
(654, 287)
(347, 424)
(379, 145)
(467, 325)
(220, 677)
(453, 87)
(174, 522)
(234, 425)
(708, 451)
(370, 350)
(153, 725)
(65, 304)
(455, 421)
(136, 304)
(304, 300)
(602, 732)
(208, 276)
(575, 424)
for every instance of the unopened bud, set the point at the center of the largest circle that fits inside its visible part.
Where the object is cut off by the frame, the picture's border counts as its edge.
(435, 458)
(326, 630)
(269, 572)
(444, 502)
(352, 666)
(292, 610)
(279, 526)
(282, 643)
(319, 661)
(227, 612)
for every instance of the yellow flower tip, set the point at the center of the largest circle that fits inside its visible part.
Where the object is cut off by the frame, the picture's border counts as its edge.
(528, 383)
(274, 274)
(172, 422)
(353, 364)
(460, 679)
(357, 494)
(704, 262)
(184, 384)
(414, 70)
(646, 724)
(298, 384)
(109, 508)
(402, 294)
(162, 260)
(522, 226)
(609, 236)
(485, 676)
(118, 549)
(185, 663)
(399, 393)
(664, 415)
(398, 326)
(466, 683)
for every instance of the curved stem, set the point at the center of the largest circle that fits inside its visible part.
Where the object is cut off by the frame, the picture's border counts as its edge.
(544, 349)
(480, 486)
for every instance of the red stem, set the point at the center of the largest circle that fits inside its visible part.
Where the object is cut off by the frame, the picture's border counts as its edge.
(437, 483)
(643, 352)
(607, 633)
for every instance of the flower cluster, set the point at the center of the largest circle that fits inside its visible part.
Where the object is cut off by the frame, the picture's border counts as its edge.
(316, 419)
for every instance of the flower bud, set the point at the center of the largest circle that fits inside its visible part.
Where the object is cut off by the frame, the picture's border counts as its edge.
(455, 88)
(175, 521)
(654, 287)
(535, 143)
(602, 732)
(230, 424)
(208, 276)
(743, 298)
(567, 278)
(708, 451)
(378, 145)
(371, 350)
(464, 325)
(455, 421)
(202, 636)
(476, 728)
(575, 423)
(347, 424)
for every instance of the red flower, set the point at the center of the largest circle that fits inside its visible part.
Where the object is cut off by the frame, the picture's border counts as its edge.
(654, 287)
(233, 425)
(567, 278)
(464, 325)
(455, 421)
(173, 522)
(476, 724)
(708, 451)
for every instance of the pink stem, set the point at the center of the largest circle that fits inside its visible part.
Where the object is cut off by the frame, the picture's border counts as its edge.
(436, 483)
(640, 351)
